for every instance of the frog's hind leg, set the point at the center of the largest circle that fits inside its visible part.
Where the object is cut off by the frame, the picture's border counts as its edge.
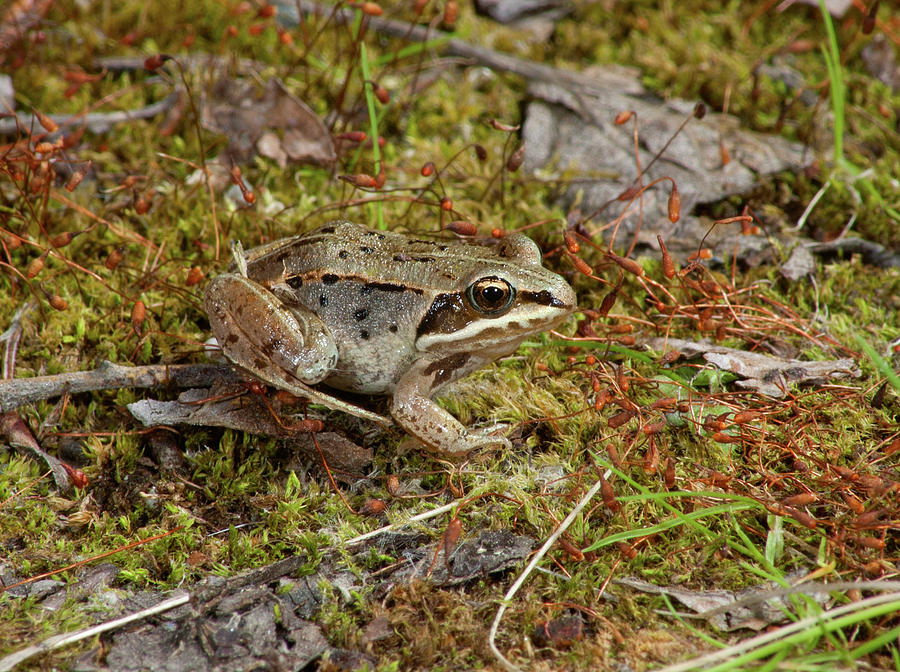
(256, 330)
(288, 349)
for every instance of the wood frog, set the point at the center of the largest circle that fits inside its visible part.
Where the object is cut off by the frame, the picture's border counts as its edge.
(382, 313)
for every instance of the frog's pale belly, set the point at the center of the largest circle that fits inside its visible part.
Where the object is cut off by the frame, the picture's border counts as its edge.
(376, 312)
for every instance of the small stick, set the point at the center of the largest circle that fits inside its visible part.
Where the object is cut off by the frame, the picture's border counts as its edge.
(11, 337)
(96, 122)
(109, 376)
(453, 46)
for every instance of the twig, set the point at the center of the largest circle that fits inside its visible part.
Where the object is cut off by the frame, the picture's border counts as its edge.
(57, 641)
(95, 122)
(581, 83)
(812, 204)
(431, 513)
(109, 376)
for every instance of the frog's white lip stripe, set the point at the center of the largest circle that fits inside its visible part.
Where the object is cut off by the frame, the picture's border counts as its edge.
(513, 322)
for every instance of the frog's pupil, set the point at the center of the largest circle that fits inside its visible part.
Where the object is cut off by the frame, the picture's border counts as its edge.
(493, 295)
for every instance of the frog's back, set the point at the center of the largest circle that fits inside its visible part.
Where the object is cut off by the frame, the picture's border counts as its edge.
(349, 250)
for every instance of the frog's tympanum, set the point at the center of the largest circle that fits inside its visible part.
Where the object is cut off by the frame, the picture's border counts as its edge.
(374, 312)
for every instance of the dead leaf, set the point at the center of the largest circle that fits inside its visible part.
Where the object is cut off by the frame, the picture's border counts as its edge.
(871, 253)
(345, 660)
(490, 552)
(765, 374)
(7, 94)
(574, 133)
(799, 265)
(248, 413)
(269, 146)
(378, 629)
(753, 608)
(226, 627)
(272, 121)
(537, 17)
(339, 453)
(163, 447)
(880, 58)
(242, 412)
(19, 436)
(559, 633)
(509, 11)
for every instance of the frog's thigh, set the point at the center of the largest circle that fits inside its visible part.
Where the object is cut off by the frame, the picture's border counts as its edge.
(257, 331)
(413, 410)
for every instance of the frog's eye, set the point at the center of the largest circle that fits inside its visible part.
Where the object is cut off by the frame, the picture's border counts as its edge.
(491, 296)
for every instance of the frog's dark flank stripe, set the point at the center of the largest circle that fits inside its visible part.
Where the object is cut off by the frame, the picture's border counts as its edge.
(298, 280)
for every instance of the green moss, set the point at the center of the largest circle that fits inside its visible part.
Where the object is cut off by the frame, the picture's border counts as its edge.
(235, 506)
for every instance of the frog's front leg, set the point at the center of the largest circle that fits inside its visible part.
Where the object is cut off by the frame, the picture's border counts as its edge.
(413, 409)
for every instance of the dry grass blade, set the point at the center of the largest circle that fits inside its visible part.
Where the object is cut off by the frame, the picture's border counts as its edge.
(13, 660)
(828, 621)
(529, 568)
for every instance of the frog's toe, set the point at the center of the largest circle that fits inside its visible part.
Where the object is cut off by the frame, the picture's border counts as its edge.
(471, 441)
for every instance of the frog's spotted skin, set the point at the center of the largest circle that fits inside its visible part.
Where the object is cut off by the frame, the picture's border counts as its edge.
(376, 312)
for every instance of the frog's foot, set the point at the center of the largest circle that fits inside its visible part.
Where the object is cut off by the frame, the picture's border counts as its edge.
(438, 430)
(493, 433)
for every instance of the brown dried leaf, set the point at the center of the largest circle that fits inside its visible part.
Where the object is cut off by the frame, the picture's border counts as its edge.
(272, 122)
(19, 436)
(560, 633)
(754, 608)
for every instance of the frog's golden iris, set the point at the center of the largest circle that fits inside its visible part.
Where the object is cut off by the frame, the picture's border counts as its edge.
(491, 296)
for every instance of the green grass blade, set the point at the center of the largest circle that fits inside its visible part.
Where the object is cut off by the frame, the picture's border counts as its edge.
(373, 123)
(883, 367)
(833, 62)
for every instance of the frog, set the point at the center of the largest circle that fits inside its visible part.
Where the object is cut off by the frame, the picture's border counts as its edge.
(374, 312)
